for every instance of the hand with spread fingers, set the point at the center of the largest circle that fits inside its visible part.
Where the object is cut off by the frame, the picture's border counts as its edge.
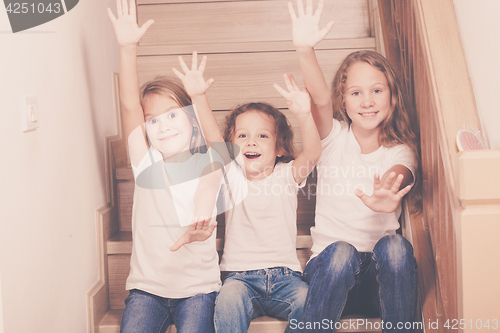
(297, 100)
(198, 231)
(386, 194)
(128, 33)
(192, 79)
(305, 26)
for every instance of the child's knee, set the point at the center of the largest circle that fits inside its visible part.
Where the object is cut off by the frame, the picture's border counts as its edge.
(339, 256)
(299, 294)
(394, 252)
(232, 294)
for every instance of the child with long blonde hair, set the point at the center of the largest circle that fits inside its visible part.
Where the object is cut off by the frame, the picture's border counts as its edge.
(174, 273)
(359, 264)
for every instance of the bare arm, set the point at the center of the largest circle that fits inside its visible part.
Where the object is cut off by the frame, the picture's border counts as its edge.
(306, 34)
(299, 103)
(196, 87)
(206, 193)
(205, 199)
(128, 34)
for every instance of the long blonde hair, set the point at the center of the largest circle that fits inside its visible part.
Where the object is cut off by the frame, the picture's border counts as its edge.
(174, 89)
(396, 128)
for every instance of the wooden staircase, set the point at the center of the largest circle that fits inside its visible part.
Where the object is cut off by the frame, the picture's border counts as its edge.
(249, 48)
(119, 249)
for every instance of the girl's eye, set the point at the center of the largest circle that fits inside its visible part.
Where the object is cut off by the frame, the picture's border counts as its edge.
(377, 91)
(242, 136)
(152, 121)
(356, 93)
(172, 115)
(263, 136)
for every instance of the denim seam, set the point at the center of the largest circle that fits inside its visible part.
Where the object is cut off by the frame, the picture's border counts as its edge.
(251, 312)
(283, 301)
(345, 302)
(382, 305)
(160, 330)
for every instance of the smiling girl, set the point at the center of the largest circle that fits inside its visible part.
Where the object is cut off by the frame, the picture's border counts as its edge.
(174, 274)
(359, 264)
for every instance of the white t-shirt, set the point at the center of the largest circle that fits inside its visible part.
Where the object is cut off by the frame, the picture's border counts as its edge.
(342, 168)
(156, 217)
(261, 231)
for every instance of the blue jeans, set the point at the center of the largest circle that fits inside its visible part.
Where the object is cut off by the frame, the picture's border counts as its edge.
(343, 281)
(148, 313)
(276, 292)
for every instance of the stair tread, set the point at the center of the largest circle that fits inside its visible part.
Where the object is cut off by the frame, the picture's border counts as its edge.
(121, 242)
(285, 45)
(111, 324)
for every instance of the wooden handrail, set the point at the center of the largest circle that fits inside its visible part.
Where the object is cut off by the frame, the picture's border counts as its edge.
(422, 41)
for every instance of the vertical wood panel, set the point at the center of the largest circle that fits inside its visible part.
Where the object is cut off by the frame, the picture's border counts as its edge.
(435, 74)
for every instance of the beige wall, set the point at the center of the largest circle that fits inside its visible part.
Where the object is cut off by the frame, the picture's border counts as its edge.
(53, 179)
(1, 306)
(480, 30)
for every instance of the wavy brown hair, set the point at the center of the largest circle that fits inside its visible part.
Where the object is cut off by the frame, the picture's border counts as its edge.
(284, 134)
(174, 89)
(396, 128)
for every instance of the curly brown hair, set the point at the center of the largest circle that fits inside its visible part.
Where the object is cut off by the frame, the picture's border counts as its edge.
(284, 134)
(173, 88)
(396, 128)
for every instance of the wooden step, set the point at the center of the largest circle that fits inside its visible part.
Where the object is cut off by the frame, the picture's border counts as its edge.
(121, 243)
(111, 324)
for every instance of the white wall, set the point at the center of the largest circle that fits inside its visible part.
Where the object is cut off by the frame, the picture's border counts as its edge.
(1, 306)
(53, 179)
(480, 30)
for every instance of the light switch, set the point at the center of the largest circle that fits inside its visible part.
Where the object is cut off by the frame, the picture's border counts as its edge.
(29, 113)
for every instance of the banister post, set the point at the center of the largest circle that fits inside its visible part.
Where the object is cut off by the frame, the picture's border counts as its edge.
(478, 223)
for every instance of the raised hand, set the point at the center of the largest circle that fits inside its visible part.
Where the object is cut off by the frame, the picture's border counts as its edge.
(193, 80)
(385, 197)
(128, 33)
(305, 27)
(199, 230)
(297, 100)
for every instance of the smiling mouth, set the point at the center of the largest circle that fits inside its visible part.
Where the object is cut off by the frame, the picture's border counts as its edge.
(368, 114)
(252, 156)
(169, 137)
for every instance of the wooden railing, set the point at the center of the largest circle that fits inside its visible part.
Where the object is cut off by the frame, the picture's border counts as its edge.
(422, 41)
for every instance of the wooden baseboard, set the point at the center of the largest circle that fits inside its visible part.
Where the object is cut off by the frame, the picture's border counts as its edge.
(98, 295)
(107, 223)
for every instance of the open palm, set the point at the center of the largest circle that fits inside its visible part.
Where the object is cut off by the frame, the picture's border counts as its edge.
(385, 197)
(305, 26)
(126, 29)
(198, 231)
(192, 79)
(297, 100)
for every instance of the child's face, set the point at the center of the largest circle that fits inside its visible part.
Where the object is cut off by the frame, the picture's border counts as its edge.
(255, 134)
(169, 128)
(367, 97)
